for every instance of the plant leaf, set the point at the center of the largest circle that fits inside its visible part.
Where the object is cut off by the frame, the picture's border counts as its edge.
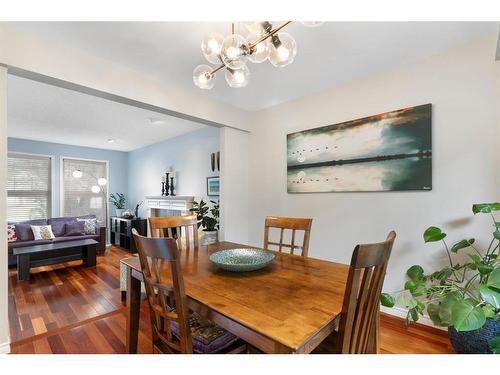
(484, 268)
(496, 234)
(494, 345)
(446, 307)
(494, 279)
(475, 258)
(433, 311)
(387, 300)
(466, 316)
(485, 207)
(433, 234)
(462, 244)
(415, 272)
(490, 296)
(489, 311)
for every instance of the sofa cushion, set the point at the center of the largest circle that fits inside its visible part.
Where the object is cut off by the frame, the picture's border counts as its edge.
(207, 337)
(11, 233)
(59, 224)
(42, 232)
(75, 228)
(90, 225)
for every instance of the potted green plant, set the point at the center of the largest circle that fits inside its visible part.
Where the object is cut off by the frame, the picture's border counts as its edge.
(464, 297)
(208, 220)
(118, 201)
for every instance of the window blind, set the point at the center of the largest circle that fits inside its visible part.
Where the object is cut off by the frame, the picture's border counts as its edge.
(28, 187)
(78, 197)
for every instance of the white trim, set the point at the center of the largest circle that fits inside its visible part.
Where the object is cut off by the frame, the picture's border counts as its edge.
(5, 348)
(401, 313)
(52, 177)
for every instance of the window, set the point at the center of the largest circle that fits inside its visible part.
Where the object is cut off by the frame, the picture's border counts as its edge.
(28, 187)
(84, 188)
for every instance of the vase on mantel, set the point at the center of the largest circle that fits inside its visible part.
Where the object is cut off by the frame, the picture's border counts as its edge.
(119, 212)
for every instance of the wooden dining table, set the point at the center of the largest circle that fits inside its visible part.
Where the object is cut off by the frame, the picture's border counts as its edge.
(290, 306)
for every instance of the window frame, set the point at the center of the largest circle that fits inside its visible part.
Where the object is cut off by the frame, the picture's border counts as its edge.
(61, 184)
(51, 206)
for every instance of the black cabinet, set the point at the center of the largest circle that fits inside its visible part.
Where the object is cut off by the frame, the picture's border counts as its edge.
(121, 232)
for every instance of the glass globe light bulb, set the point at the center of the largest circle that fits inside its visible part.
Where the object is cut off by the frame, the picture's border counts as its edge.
(95, 189)
(77, 173)
(260, 52)
(211, 47)
(282, 50)
(237, 78)
(259, 28)
(102, 181)
(234, 51)
(203, 77)
(312, 23)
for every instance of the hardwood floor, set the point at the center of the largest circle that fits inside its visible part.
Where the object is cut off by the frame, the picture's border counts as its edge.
(72, 309)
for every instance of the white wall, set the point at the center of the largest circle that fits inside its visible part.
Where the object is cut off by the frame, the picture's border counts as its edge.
(461, 86)
(189, 154)
(4, 321)
(234, 185)
(25, 50)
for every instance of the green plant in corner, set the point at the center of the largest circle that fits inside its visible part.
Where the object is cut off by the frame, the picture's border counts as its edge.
(203, 212)
(464, 295)
(118, 200)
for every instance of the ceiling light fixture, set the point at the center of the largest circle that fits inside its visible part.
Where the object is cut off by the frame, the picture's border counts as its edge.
(232, 52)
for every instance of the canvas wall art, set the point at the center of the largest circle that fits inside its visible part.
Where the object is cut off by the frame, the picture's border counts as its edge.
(391, 151)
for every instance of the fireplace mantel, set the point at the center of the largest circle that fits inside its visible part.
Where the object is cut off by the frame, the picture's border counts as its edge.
(179, 203)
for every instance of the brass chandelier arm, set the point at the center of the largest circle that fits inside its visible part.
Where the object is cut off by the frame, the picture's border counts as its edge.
(252, 45)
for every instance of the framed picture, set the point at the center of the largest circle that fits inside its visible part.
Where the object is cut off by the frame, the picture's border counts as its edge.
(213, 186)
(390, 151)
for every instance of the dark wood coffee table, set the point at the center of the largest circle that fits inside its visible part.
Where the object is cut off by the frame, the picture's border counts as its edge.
(24, 254)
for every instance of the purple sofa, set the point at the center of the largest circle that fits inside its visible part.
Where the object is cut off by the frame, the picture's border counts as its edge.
(61, 227)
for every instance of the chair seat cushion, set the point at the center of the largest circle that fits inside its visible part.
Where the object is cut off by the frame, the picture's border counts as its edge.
(207, 336)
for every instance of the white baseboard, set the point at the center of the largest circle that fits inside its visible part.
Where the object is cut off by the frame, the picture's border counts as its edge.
(400, 312)
(5, 348)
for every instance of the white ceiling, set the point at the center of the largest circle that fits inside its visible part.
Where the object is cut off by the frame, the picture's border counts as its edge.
(47, 113)
(330, 55)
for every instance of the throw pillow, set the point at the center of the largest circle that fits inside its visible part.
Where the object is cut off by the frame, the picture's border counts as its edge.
(11, 233)
(75, 228)
(24, 232)
(89, 225)
(42, 232)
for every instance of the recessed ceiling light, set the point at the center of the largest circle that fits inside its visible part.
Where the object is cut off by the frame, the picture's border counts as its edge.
(110, 140)
(157, 121)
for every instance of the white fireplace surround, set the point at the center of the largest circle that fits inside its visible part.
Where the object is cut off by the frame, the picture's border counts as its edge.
(175, 205)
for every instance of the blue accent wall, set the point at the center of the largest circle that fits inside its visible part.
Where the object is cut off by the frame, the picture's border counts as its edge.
(117, 167)
(188, 154)
(138, 173)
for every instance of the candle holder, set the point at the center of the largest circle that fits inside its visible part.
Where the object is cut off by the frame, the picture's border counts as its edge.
(167, 186)
(172, 187)
(162, 188)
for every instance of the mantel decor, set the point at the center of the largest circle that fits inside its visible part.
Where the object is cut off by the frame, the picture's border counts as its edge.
(386, 152)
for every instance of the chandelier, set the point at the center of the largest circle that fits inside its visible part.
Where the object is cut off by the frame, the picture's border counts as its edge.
(263, 42)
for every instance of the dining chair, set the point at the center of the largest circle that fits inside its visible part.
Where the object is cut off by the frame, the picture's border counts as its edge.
(184, 229)
(174, 328)
(358, 330)
(288, 223)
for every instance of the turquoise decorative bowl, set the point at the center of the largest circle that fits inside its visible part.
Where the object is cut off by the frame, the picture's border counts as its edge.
(242, 260)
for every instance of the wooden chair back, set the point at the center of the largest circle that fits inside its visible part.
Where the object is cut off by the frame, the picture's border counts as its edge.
(167, 299)
(288, 223)
(184, 229)
(359, 323)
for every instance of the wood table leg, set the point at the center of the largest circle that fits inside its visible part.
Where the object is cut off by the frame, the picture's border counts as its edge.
(89, 253)
(23, 267)
(133, 311)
